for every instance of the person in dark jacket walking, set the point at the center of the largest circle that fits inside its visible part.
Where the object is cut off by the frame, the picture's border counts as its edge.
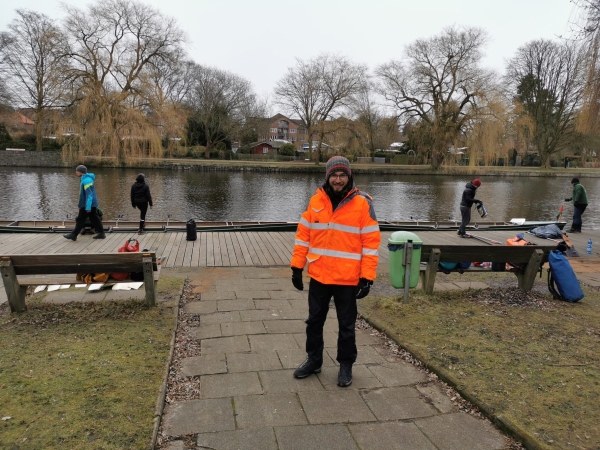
(88, 204)
(140, 199)
(580, 202)
(468, 198)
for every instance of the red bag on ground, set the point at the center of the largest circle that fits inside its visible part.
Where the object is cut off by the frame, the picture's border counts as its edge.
(131, 245)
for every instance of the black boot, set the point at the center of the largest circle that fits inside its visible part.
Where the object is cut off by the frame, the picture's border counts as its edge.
(307, 368)
(100, 236)
(70, 236)
(345, 375)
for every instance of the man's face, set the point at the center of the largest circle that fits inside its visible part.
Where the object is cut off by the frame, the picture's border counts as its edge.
(79, 174)
(338, 181)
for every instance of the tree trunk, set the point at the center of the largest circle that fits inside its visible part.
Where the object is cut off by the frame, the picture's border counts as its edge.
(207, 149)
(309, 133)
(39, 125)
(321, 135)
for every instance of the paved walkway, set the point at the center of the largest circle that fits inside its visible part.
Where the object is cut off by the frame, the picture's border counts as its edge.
(251, 334)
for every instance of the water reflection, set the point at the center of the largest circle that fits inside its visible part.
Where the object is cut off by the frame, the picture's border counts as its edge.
(35, 194)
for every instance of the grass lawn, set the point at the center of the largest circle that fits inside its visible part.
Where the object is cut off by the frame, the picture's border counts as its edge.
(84, 375)
(533, 360)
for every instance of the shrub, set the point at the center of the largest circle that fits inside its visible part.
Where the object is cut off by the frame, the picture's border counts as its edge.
(287, 150)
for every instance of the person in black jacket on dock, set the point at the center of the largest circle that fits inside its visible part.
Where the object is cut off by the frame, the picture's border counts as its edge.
(468, 198)
(141, 198)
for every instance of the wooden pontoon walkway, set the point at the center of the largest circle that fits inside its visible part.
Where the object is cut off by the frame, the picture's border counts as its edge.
(233, 249)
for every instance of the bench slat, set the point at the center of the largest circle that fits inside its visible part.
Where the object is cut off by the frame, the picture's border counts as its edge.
(490, 253)
(43, 269)
(61, 263)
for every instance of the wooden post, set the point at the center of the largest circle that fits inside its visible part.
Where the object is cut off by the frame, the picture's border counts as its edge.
(527, 278)
(14, 292)
(431, 271)
(149, 281)
(407, 260)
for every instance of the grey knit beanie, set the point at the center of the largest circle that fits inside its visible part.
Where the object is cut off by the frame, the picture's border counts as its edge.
(81, 168)
(337, 164)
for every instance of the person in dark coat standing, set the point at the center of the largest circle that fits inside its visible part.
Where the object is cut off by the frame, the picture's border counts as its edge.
(141, 199)
(468, 198)
(580, 202)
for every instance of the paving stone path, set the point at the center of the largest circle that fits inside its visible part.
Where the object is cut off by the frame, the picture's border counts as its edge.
(251, 334)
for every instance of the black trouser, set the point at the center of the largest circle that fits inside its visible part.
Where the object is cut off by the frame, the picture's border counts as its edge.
(465, 212)
(143, 207)
(577, 212)
(319, 295)
(83, 216)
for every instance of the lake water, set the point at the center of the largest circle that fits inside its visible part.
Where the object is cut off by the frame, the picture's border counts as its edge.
(35, 194)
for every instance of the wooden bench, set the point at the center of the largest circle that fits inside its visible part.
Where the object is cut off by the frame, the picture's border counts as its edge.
(529, 257)
(20, 271)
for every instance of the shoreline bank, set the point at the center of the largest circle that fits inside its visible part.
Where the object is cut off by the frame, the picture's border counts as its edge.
(54, 160)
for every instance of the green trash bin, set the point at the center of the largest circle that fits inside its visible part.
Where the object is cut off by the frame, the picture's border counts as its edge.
(396, 246)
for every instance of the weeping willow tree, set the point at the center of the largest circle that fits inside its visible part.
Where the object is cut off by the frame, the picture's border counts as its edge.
(588, 122)
(114, 45)
(488, 135)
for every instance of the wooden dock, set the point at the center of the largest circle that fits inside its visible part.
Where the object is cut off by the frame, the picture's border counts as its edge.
(235, 249)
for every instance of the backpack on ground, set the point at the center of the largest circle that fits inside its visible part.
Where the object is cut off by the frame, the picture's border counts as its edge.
(562, 282)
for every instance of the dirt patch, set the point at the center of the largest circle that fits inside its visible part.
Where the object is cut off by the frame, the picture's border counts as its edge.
(526, 357)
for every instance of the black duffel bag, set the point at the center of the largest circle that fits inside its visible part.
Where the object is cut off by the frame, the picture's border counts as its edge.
(190, 228)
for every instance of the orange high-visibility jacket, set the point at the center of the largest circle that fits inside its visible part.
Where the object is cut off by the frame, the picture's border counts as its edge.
(340, 246)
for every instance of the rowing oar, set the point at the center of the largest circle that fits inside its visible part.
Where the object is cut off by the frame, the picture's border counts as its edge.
(484, 239)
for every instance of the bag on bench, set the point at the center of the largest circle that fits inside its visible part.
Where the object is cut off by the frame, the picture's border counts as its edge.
(90, 278)
(131, 245)
(562, 282)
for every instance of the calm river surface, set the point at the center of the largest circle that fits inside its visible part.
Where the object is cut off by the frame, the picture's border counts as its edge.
(35, 194)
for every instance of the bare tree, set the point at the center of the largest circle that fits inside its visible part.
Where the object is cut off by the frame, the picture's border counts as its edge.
(5, 98)
(548, 81)
(221, 102)
(168, 84)
(439, 83)
(34, 65)
(588, 31)
(373, 124)
(314, 90)
(113, 44)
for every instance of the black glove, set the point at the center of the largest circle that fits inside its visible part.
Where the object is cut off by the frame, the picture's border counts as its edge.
(297, 278)
(364, 286)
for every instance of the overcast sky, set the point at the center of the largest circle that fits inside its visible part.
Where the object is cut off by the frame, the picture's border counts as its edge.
(260, 39)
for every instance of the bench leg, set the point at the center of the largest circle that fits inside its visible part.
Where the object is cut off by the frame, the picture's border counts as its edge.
(149, 281)
(428, 277)
(527, 278)
(14, 292)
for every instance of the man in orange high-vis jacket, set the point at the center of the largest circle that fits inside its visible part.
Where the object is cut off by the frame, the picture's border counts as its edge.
(338, 236)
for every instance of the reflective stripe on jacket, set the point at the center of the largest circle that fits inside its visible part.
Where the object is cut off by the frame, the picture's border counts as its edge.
(340, 246)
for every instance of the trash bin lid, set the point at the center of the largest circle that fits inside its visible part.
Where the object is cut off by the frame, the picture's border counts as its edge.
(400, 237)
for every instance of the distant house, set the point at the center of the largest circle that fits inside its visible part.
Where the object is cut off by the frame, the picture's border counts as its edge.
(282, 128)
(271, 147)
(17, 123)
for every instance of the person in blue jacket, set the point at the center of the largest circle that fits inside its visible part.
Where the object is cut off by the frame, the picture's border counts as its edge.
(88, 204)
